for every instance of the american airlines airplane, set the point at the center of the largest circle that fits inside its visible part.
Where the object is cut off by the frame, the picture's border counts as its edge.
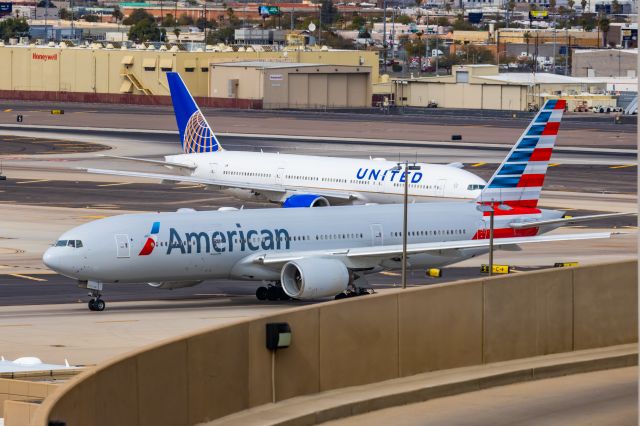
(295, 180)
(316, 253)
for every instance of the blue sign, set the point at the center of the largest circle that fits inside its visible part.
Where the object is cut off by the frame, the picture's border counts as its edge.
(6, 8)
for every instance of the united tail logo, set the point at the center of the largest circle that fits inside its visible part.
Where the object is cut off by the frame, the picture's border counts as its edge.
(152, 240)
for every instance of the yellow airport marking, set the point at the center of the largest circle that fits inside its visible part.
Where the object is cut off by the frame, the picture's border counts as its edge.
(108, 321)
(622, 166)
(34, 181)
(8, 110)
(390, 274)
(478, 164)
(92, 217)
(189, 187)
(116, 184)
(554, 164)
(27, 277)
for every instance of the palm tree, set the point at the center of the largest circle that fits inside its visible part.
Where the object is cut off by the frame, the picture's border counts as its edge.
(604, 25)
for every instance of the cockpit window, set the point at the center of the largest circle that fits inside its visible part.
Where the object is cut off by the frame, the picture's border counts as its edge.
(68, 243)
(474, 186)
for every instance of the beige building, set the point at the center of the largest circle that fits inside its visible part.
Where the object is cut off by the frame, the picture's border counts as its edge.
(106, 74)
(483, 87)
(292, 85)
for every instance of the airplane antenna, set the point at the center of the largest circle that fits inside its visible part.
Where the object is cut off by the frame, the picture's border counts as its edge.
(66, 363)
(242, 207)
(1, 358)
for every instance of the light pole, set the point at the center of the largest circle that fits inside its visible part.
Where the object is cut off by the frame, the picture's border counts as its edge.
(489, 208)
(384, 33)
(406, 167)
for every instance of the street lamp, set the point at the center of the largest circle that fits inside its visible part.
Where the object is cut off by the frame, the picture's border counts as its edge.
(406, 167)
(489, 208)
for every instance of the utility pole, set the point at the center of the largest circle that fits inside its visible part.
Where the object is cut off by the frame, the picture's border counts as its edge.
(384, 33)
(406, 167)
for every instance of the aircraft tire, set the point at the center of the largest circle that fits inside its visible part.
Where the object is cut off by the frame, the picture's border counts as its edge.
(92, 305)
(261, 293)
(99, 305)
(340, 296)
(273, 293)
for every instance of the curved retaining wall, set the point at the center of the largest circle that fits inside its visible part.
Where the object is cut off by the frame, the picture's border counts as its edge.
(210, 374)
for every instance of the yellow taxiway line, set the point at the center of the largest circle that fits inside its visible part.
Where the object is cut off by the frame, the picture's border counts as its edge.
(27, 277)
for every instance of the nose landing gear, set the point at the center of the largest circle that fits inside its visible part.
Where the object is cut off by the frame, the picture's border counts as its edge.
(96, 303)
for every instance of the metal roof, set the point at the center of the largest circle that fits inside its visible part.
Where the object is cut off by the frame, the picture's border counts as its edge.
(259, 64)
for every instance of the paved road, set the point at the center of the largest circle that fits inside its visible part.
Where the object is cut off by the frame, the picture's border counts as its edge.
(607, 397)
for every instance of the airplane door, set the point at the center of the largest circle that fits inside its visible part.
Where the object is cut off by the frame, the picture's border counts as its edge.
(213, 167)
(441, 185)
(123, 247)
(279, 175)
(376, 235)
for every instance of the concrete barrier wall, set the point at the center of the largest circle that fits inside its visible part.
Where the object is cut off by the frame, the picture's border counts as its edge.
(210, 374)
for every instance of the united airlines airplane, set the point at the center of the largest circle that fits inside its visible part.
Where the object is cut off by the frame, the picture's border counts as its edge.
(295, 180)
(315, 253)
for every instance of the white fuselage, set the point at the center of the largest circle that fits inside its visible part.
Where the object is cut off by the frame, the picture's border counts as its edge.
(372, 180)
(225, 244)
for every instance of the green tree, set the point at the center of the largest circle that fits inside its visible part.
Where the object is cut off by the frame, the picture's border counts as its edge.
(571, 4)
(616, 7)
(13, 27)
(552, 6)
(404, 19)
(357, 22)
(117, 13)
(91, 18)
(145, 30)
(442, 21)
(176, 31)
(603, 25)
(328, 13)
(185, 20)
(169, 21)
(583, 3)
(65, 15)
(475, 54)
(461, 25)
(221, 35)
(137, 16)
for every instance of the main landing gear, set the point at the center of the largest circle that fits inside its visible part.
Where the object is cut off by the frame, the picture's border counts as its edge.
(354, 293)
(271, 292)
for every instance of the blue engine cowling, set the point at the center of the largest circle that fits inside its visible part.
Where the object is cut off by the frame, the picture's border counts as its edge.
(305, 200)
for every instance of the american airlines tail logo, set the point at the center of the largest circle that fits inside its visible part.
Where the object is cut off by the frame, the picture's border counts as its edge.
(198, 136)
(152, 239)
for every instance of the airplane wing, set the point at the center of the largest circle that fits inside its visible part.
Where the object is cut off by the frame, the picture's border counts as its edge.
(146, 160)
(378, 254)
(335, 195)
(565, 220)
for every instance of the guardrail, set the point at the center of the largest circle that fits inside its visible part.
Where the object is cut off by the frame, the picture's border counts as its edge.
(209, 374)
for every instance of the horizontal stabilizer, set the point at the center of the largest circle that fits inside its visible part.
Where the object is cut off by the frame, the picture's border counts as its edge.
(146, 160)
(566, 221)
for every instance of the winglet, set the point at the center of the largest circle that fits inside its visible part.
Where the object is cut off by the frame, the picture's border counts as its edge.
(195, 133)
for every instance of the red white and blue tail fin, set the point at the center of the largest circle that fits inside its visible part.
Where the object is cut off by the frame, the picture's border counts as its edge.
(519, 179)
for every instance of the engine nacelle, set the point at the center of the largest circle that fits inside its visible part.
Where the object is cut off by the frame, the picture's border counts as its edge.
(305, 200)
(170, 285)
(314, 278)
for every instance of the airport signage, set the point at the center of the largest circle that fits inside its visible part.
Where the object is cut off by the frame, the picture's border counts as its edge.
(475, 17)
(265, 10)
(538, 14)
(6, 8)
(276, 77)
(630, 34)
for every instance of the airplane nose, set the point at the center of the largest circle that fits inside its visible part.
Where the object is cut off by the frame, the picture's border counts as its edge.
(53, 259)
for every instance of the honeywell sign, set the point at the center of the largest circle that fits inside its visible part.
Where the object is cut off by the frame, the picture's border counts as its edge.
(43, 57)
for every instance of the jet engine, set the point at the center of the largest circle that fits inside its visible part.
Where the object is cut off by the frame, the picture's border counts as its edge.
(170, 285)
(314, 278)
(305, 200)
